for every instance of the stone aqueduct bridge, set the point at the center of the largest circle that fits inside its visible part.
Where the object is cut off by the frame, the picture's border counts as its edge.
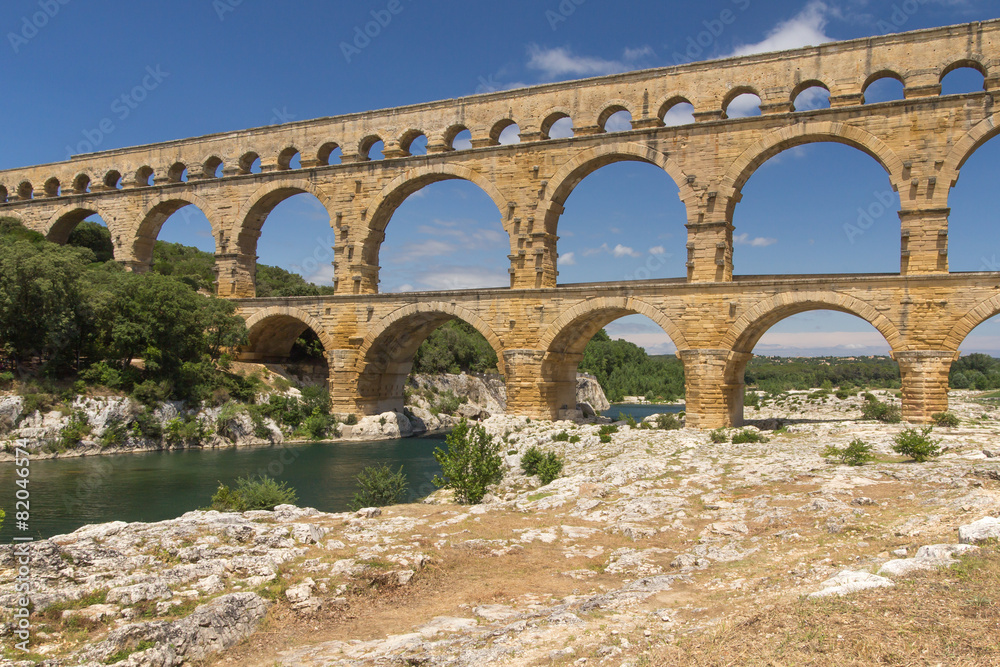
(538, 328)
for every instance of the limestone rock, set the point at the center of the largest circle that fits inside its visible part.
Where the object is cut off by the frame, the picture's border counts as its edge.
(851, 581)
(926, 558)
(985, 529)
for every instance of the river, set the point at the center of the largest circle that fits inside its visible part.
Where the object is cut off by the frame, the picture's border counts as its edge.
(152, 486)
(640, 411)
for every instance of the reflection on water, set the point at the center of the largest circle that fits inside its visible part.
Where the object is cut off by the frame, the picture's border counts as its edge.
(69, 493)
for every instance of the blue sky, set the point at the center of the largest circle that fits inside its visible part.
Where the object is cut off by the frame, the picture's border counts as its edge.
(233, 64)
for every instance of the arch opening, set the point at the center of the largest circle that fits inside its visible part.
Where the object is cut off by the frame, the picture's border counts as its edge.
(884, 86)
(144, 176)
(90, 232)
(619, 217)
(616, 119)
(557, 126)
(445, 234)
(505, 132)
(810, 95)
(113, 180)
(212, 167)
(458, 138)
(741, 103)
(176, 238)
(81, 184)
(371, 148)
(289, 158)
(178, 173)
(25, 190)
(3, 195)
(791, 221)
(974, 217)
(414, 142)
(678, 111)
(978, 366)
(329, 153)
(296, 245)
(250, 163)
(289, 344)
(431, 338)
(962, 77)
(52, 187)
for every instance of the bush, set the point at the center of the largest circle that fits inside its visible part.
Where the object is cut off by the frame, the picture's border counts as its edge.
(547, 466)
(747, 436)
(573, 439)
(530, 460)
(945, 419)
(187, 430)
(6, 380)
(380, 486)
(471, 463)
(917, 444)
(76, 430)
(751, 399)
(145, 425)
(857, 453)
(628, 419)
(261, 493)
(718, 436)
(562, 436)
(668, 422)
(114, 434)
(876, 410)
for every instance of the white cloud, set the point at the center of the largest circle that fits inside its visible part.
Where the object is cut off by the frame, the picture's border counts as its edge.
(322, 276)
(567, 259)
(679, 114)
(561, 62)
(744, 106)
(657, 250)
(624, 251)
(804, 29)
(407, 287)
(756, 242)
(463, 277)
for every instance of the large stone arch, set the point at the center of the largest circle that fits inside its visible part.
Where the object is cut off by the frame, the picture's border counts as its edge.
(775, 142)
(975, 317)
(272, 331)
(155, 212)
(569, 175)
(245, 228)
(972, 141)
(62, 223)
(749, 327)
(385, 357)
(602, 310)
(392, 196)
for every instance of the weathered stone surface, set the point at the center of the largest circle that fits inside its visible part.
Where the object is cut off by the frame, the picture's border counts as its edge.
(987, 528)
(850, 581)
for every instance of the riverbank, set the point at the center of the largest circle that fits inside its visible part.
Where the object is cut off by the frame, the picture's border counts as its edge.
(653, 547)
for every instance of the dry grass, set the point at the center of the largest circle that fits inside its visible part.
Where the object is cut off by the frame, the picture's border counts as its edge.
(944, 617)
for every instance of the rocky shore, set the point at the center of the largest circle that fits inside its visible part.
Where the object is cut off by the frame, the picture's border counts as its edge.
(655, 538)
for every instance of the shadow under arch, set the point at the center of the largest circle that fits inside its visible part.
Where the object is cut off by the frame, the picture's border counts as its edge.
(807, 133)
(272, 331)
(984, 311)
(385, 357)
(565, 339)
(747, 330)
(587, 162)
(392, 196)
(64, 221)
(155, 214)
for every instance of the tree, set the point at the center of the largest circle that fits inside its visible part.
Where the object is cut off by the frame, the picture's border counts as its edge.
(95, 237)
(471, 463)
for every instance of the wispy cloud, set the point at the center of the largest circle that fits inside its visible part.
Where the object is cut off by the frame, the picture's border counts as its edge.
(557, 62)
(756, 242)
(567, 259)
(657, 250)
(804, 29)
(618, 251)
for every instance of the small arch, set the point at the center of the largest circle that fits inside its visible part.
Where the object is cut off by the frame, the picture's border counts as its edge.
(52, 187)
(272, 331)
(613, 113)
(458, 137)
(504, 132)
(677, 110)
(177, 173)
(113, 180)
(888, 85)
(289, 159)
(561, 122)
(25, 190)
(81, 184)
(962, 77)
(329, 153)
(212, 167)
(810, 95)
(983, 311)
(413, 142)
(368, 146)
(249, 163)
(3, 194)
(741, 102)
(144, 176)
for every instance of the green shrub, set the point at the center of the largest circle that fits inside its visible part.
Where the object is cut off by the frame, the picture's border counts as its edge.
(471, 463)
(628, 419)
(667, 422)
(114, 434)
(562, 436)
(718, 436)
(945, 419)
(76, 430)
(876, 410)
(547, 466)
(530, 460)
(448, 403)
(573, 439)
(608, 429)
(261, 493)
(380, 486)
(751, 399)
(842, 394)
(223, 423)
(857, 453)
(186, 430)
(6, 380)
(145, 425)
(318, 426)
(102, 375)
(747, 436)
(917, 444)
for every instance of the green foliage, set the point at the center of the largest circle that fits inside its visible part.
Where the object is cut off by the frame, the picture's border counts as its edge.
(191, 266)
(857, 453)
(718, 436)
(455, 347)
(260, 493)
(75, 430)
(561, 436)
(547, 466)
(380, 486)
(573, 439)
(186, 430)
(917, 444)
(751, 399)
(275, 281)
(2, 516)
(127, 651)
(145, 425)
(624, 369)
(780, 374)
(471, 463)
(606, 431)
(876, 410)
(628, 419)
(975, 371)
(945, 419)
(95, 237)
(447, 403)
(747, 435)
(668, 422)
(114, 434)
